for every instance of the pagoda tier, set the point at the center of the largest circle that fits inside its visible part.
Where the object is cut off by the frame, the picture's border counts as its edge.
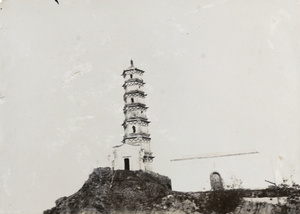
(134, 81)
(134, 93)
(136, 120)
(134, 106)
(132, 70)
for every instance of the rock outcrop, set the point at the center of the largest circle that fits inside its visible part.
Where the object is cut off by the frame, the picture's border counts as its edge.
(108, 191)
(139, 192)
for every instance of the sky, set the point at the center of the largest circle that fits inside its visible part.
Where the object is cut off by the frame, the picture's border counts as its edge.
(221, 76)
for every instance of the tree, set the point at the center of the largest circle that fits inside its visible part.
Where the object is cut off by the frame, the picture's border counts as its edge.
(225, 201)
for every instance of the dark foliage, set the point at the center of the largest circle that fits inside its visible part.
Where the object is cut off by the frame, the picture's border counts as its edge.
(223, 201)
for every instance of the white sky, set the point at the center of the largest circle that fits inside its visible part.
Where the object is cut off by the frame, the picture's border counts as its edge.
(221, 76)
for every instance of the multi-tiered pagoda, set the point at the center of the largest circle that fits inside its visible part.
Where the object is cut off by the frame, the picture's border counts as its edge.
(134, 153)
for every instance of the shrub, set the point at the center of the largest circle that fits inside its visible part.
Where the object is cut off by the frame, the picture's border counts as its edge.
(223, 201)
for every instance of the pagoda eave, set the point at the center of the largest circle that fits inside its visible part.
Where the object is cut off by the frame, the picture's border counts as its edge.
(131, 69)
(145, 120)
(134, 105)
(143, 136)
(134, 80)
(135, 92)
(143, 107)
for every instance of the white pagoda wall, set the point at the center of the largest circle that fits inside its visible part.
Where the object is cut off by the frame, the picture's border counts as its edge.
(135, 75)
(137, 113)
(133, 87)
(136, 100)
(133, 153)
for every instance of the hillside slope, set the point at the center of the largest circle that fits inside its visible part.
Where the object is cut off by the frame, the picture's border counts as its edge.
(106, 191)
(140, 192)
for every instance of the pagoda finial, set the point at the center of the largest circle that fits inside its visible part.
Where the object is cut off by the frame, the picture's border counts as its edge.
(131, 62)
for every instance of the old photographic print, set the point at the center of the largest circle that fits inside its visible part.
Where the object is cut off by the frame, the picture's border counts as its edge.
(149, 106)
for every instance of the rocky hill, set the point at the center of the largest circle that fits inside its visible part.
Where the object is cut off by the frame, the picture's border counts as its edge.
(106, 191)
(124, 191)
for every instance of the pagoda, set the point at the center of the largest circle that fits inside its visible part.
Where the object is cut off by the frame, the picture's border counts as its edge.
(135, 152)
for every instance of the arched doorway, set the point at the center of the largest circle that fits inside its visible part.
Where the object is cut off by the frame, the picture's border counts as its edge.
(126, 164)
(216, 181)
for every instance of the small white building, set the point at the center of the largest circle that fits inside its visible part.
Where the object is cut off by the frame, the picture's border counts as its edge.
(134, 153)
